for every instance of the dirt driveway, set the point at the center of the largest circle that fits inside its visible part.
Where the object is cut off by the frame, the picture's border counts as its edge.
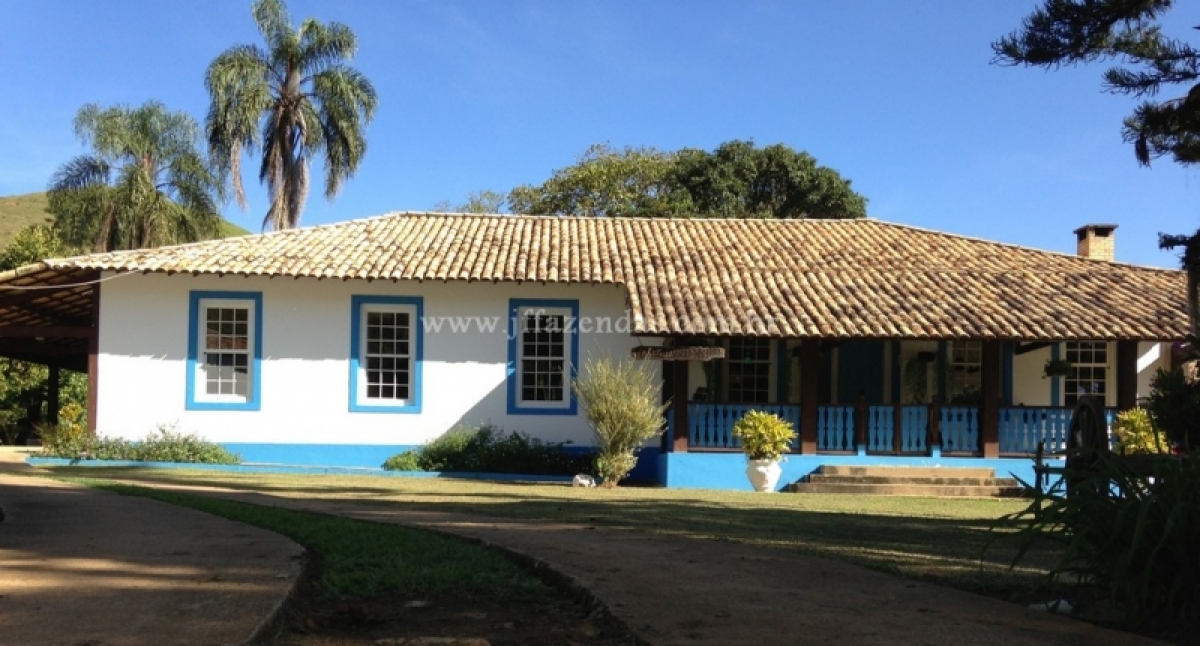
(702, 592)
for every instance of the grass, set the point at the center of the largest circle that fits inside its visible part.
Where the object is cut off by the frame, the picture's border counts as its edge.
(364, 560)
(937, 540)
(20, 211)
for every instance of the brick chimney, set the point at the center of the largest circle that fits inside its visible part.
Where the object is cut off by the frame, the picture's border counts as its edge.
(1096, 241)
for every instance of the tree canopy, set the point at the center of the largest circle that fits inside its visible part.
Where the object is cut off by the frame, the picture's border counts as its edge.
(297, 98)
(143, 185)
(735, 180)
(1064, 32)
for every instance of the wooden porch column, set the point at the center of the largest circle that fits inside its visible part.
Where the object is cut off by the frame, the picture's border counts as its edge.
(679, 402)
(810, 393)
(992, 392)
(52, 389)
(93, 362)
(861, 410)
(1127, 356)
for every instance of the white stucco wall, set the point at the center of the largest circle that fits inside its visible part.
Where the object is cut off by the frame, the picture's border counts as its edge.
(305, 369)
(1030, 388)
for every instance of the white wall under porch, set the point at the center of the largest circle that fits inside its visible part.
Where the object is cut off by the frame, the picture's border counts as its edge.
(305, 365)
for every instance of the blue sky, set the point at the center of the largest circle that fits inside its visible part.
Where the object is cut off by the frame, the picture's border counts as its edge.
(900, 98)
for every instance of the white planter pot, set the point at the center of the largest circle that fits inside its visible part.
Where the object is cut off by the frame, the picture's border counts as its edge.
(764, 474)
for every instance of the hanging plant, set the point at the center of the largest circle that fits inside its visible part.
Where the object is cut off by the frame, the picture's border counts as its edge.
(916, 378)
(1057, 368)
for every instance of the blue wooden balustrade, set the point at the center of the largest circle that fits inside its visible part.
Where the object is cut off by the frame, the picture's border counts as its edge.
(1022, 427)
(960, 429)
(881, 429)
(835, 428)
(710, 426)
(914, 429)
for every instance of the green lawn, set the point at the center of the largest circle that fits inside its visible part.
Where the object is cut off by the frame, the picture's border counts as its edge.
(939, 540)
(361, 559)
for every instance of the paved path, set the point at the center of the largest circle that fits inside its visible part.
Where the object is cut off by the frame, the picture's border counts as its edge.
(700, 593)
(80, 566)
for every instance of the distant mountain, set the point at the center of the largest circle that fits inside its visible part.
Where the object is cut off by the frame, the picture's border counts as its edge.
(20, 211)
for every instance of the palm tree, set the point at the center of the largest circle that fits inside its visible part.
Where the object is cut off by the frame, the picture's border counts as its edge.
(144, 184)
(297, 98)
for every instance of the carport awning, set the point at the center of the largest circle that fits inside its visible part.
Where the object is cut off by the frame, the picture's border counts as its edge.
(46, 315)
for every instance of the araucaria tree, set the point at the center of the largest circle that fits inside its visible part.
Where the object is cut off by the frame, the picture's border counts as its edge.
(1065, 32)
(296, 99)
(143, 185)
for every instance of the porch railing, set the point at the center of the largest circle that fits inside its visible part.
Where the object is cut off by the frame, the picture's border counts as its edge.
(835, 428)
(960, 429)
(881, 429)
(1022, 427)
(710, 426)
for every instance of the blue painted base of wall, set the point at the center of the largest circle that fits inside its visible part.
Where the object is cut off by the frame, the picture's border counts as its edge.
(364, 456)
(291, 469)
(728, 470)
(369, 456)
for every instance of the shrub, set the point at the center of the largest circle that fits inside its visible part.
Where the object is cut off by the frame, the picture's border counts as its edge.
(65, 441)
(1137, 435)
(1174, 407)
(1128, 532)
(487, 449)
(620, 399)
(447, 452)
(407, 461)
(764, 436)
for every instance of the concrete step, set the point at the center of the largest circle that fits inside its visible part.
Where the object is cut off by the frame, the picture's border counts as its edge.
(938, 491)
(912, 480)
(907, 472)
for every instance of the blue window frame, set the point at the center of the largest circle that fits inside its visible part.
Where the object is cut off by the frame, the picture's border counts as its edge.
(386, 345)
(224, 360)
(543, 352)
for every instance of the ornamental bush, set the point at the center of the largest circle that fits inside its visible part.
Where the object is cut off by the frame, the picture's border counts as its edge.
(67, 440)
(488, 449)
(1136, 434)
(620, 400)
(1174, 407)
(764, 436)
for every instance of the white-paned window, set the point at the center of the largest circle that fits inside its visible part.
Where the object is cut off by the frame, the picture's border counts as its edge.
(386, 340)
(749, 370)
(1089, 371)
(543, 352)
(223, 351)
(966, 370)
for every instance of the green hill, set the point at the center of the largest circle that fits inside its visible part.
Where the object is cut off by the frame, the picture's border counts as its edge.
(20, 211)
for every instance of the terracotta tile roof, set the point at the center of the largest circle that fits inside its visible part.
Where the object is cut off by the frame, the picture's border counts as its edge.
(789, 278)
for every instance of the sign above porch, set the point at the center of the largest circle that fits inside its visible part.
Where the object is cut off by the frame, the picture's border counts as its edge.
(686, 353)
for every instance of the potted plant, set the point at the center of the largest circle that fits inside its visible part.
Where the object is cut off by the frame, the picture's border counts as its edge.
(1057, 368)
(764, 438)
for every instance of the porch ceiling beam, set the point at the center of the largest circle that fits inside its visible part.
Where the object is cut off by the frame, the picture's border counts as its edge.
(49, 331)
(1024, 348)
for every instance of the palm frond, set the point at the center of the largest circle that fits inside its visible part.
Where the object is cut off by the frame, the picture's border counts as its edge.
(346, 102)
(323, 46)
(81, 172)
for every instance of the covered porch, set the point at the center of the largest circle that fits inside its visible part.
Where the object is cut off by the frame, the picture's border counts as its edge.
(975, 402)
